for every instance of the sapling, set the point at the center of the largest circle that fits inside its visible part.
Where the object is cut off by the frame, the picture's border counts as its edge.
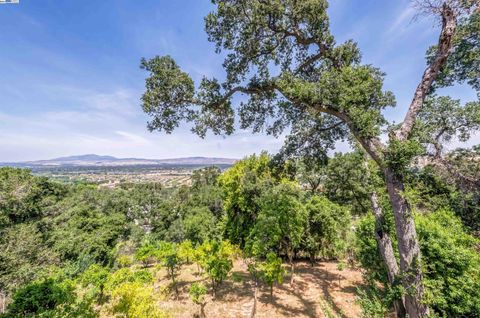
(197, 294)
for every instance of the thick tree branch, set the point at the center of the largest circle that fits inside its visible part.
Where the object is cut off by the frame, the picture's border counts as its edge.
(449, 24)
(242, 89)
(372, 145)
(309, 61)
(295, 34)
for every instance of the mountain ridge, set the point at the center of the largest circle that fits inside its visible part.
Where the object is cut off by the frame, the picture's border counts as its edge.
(105, 160)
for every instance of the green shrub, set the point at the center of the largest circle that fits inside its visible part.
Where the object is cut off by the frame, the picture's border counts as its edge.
(450, 263)
(197, 293)
(372, 303)
(38, 297)
(127, 275)
(272, 271)
(133, 299)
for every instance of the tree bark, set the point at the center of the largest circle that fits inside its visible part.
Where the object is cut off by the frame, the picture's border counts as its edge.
(408, 247)
(386, 250)
(214, 289)
(254, 309)
(292, 265)
(312, 259)
(444, 46)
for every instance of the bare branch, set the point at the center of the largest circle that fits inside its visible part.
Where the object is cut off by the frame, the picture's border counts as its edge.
(435, 7)
(449, 24)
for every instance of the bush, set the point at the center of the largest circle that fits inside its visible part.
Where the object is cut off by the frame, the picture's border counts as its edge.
(133, 299)
(96, 277)
(372, 303)
(127, 275)
(217, 261)
(327, 227)
(197, 294)
(38, 297)
(451, 265)
(50, 299)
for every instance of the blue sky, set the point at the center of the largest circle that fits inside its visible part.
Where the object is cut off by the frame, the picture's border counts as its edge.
(70, 80)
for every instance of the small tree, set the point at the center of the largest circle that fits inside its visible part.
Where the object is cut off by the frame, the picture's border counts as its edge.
(197, 294)
(169, 257)
(186, 251)
(39, 298)
(272, 271)
(326, 228)
(218, 262)
(280, 224)
(95, 276)
(146, 253)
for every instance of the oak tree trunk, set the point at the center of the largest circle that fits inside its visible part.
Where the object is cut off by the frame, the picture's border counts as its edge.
(385, 247)
(408, 247)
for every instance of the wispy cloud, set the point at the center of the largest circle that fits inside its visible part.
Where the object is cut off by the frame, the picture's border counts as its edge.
(139, 140)
(402, 22)
(112, 123)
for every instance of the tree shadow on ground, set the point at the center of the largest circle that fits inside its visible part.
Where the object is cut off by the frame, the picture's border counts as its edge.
(326, 280)
(314, 288)
(308, 307)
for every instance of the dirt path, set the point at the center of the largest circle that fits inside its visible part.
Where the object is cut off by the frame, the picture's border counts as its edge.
(319, 291)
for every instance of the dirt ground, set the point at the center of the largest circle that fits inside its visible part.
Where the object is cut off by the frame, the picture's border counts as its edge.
(318, 291)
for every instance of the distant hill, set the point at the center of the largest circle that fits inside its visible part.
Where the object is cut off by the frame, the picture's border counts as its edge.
(96, 160)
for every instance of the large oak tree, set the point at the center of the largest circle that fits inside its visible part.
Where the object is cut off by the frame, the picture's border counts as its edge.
(283, 57)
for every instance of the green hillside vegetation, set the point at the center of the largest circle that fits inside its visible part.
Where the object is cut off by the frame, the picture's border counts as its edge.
(389, 229)
(83, 251)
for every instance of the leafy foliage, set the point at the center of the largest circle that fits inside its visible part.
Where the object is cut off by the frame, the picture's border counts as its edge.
(133, 299)
(452, 264)
(197, 293)
(23, 197)
(242, 185)
(272, 271)
(348, 182)
(327, 228)
(217, 260)
(38, 298)
(24, 255)
(280, 223)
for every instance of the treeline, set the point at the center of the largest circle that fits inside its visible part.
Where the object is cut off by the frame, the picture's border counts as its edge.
(78, 250)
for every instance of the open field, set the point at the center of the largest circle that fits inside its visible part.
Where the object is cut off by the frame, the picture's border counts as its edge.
(111, 176)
